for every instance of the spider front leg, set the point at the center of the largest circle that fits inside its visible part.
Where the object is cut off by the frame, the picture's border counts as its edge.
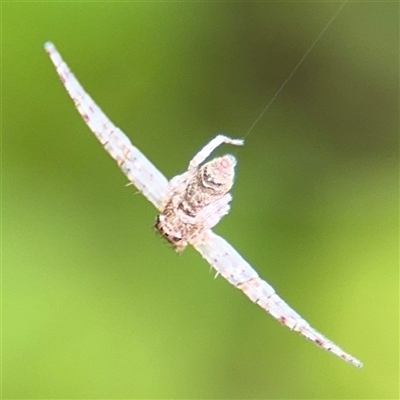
(208, 149)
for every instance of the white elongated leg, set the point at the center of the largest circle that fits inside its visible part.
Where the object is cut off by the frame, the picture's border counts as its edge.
(237, 271)
(209, 148)
(133, 163)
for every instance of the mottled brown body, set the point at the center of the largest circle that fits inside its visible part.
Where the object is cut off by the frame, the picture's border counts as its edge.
(197, 200)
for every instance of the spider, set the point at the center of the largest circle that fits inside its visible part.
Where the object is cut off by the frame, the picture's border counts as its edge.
(190, 205)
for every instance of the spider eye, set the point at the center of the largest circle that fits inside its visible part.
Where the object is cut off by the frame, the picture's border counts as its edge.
(207, 176)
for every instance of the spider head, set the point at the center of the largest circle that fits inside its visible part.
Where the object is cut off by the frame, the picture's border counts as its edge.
(219, 174)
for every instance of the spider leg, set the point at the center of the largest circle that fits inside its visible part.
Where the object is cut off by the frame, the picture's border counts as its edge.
(209, 148)
(178, 183)
(210, 215)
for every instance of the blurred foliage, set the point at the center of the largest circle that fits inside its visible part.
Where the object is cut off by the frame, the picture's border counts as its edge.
(95, 305)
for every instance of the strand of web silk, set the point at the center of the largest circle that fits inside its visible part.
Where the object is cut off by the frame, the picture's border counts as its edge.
(296, 67)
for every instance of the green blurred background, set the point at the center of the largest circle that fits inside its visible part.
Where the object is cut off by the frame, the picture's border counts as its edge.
(95, 305)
